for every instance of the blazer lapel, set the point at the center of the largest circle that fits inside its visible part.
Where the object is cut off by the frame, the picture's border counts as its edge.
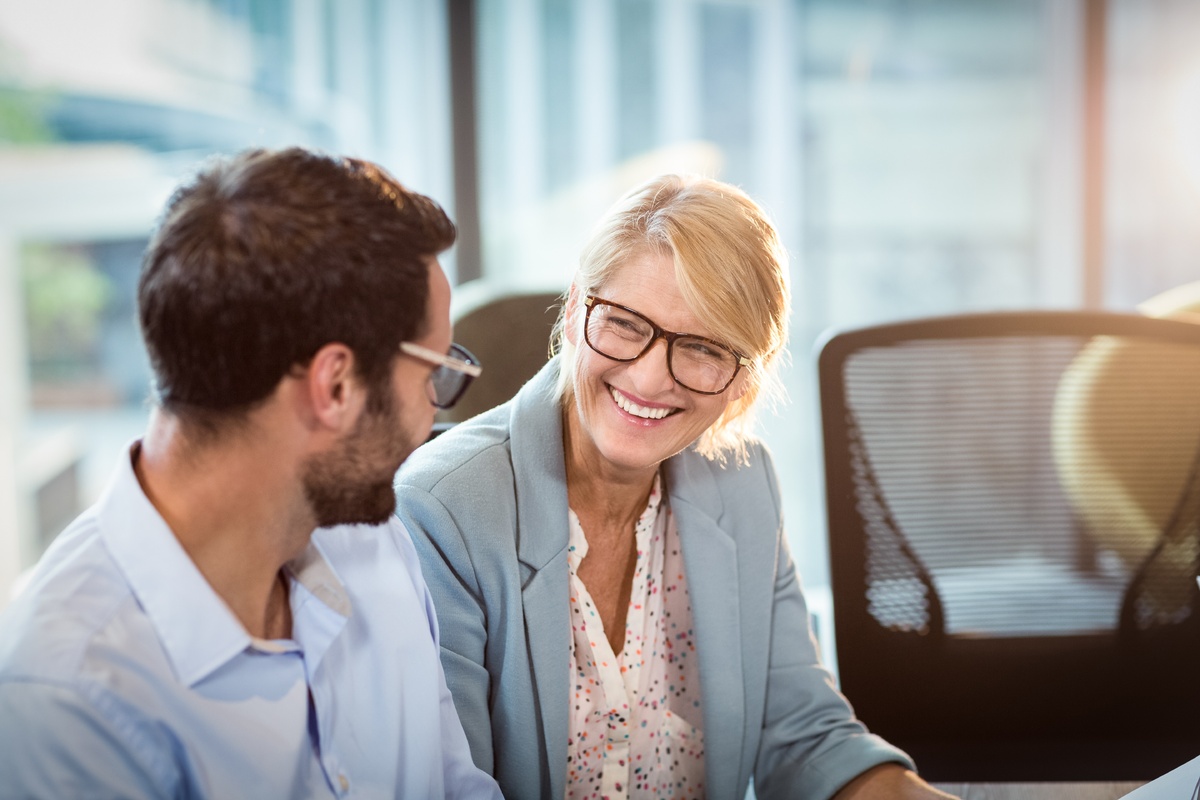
(542, 530)
(710, 562)
(545, 600)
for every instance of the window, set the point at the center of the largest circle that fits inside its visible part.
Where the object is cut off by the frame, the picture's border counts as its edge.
(902, 148)
(918, 158)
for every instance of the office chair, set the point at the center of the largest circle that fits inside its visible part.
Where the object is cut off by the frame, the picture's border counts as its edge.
(508, 329)
(1013, 503)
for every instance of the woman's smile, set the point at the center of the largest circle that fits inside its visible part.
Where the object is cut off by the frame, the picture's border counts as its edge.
(642, 410)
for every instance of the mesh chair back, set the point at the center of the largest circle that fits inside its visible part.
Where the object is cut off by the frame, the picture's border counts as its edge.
(1013, 507)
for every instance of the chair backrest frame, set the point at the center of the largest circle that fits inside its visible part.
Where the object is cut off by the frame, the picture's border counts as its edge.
(1102, 706)
(508, 328)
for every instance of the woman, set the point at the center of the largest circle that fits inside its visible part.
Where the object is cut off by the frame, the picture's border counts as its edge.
(619, 613)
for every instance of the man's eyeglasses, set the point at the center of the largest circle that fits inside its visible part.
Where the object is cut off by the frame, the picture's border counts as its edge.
(697, 363)
(452, 374)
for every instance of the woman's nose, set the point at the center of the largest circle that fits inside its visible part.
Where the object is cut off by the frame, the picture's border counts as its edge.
(651, 374)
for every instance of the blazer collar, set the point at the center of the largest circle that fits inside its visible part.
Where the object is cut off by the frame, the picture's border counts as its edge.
(539, 470)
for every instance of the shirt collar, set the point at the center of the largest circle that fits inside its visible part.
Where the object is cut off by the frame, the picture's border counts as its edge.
(314, 573)
(197, 629)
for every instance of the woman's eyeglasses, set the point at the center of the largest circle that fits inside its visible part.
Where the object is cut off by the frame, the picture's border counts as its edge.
(697, 363)
(452, 374)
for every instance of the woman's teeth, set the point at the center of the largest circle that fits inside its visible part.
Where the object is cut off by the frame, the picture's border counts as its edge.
(638, 411)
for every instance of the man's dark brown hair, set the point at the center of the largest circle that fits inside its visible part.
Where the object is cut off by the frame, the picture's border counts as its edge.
(264, 258)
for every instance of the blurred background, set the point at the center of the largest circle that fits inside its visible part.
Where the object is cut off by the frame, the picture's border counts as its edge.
(919, 157)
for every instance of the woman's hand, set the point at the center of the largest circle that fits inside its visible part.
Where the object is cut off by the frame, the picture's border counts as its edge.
(890, 782)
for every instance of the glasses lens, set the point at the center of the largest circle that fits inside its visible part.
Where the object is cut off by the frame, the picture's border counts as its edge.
(701, 365)
(448, 383)
(616, 333)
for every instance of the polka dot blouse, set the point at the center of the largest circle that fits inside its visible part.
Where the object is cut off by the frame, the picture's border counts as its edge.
(635, 728)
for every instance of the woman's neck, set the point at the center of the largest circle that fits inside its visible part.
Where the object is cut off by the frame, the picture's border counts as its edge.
(609, 498)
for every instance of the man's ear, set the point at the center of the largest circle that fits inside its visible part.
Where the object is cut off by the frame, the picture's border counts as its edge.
(574, 309)
(334, 391)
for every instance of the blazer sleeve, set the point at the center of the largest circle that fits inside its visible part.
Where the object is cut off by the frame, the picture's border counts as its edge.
(462, 621)
(811, 745)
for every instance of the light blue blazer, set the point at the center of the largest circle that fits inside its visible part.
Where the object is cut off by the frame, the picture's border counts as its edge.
(486, 504)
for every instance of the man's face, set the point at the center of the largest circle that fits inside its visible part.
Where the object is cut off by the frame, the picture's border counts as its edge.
(352, 483)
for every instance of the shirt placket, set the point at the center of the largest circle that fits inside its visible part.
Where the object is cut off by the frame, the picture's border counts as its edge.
(316, 624)
(628, 667)
(614, 774)
(619, 681)
(632, 658)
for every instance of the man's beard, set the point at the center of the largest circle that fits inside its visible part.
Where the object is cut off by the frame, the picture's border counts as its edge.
(342, 487)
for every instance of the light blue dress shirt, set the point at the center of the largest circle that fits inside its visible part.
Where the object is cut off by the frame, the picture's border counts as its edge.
(122, 674)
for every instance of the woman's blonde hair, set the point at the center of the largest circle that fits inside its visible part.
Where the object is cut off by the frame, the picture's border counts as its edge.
(731, 269)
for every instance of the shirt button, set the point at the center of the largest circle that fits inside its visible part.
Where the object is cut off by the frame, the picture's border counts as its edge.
(343, 782)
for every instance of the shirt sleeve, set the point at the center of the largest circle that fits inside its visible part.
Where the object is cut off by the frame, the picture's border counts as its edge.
(55, 742)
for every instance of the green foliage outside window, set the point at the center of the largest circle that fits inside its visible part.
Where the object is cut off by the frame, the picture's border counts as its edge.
(65, 298)
(22, 118)
(22, 111)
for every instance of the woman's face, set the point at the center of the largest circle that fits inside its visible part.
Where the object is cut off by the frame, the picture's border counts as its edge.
(617, 419)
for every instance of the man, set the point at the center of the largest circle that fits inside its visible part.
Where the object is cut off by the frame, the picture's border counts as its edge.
(241, 615)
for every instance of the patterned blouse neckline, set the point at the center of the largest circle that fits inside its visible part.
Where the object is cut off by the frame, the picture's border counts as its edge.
(635, 727)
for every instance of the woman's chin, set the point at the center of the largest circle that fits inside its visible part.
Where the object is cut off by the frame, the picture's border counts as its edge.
(635, 452)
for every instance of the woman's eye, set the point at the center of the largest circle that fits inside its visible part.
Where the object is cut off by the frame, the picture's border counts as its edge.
(629, 327)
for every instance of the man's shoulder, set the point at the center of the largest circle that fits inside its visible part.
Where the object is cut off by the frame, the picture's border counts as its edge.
(76, 608)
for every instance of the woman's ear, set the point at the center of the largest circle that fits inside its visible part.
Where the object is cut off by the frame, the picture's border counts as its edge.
(571, 319)
(737, 390)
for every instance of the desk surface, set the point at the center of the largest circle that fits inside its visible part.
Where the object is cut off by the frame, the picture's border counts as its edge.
(1039, 791)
